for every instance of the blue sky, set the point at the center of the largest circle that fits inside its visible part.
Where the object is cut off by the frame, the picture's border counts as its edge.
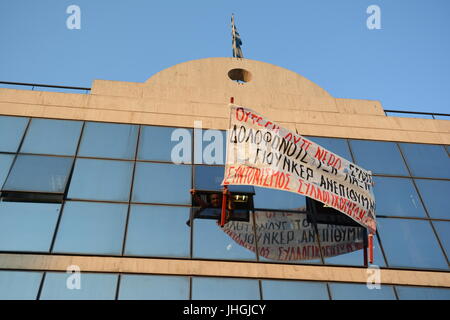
(405, 65)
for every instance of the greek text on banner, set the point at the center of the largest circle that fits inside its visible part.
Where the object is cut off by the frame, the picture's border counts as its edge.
(262, 153)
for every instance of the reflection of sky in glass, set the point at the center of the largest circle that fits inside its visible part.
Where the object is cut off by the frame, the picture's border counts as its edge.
(27, 226)
(19, 285)
(211, 242)
(356, 291)
(397, 197)
(421, 293)
(150, 287)
(49, 174)
(379, 157)
(224, 289)
(94, 286)
(11, 132)
(47, 136)
(294, 290)
(158, 231)
(410, 243)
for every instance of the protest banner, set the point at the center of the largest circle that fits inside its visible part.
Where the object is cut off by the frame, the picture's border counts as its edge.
(264, 154)
(287, 236)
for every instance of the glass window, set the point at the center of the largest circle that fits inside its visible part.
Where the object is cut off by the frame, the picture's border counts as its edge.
(39, 174)
(91, 228)
(150, 287)
(210, 146)
(356, 258)
(426, 160)
(213, 242)
(211, 177)
(162, 183)
(356, 291)
(279, 200)
(19, 285)
(108, 140)
(335, 145)
(5, 164)
(208, 177)
(106, 180)
(46, 136)
(158, 143)
(27, 226)
(379, 157)
(11, 132)
(284, 237)
(410, 243)
(224, 289)
(94, 286)
(422, 293)
(397, 197)
(435, 196)
(443, 231)
(158, 231)
(294, 290)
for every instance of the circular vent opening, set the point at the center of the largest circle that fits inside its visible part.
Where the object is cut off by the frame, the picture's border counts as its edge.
(240, 75)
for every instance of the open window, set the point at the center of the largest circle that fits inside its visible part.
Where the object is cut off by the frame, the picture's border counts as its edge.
(37, 179)
(208, 204)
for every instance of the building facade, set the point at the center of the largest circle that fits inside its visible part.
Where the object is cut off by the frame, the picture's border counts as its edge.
(89, 185)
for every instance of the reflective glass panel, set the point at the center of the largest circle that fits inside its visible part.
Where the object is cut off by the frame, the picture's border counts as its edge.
(379, 157)
(47, 136)
(213, 242)
(208, 177)
(279, 200)
(137, 287)
(425, 160)
(91, 228)
(5, 164)
(211, 177)
(335, 145)
(410, 243)
(356, 258)
(356, 291)
(94, 286)
(108, 140)
(224, 289)
(210, 146)
(397, 197)
(158, 231)
(435, 195)
(39, 174)
(294, 290)
(443, 230)
(284, 237)
(162, 183)
(106, 180)
(27, 226)
(421, 293)
(158, 143)
(19, 285)
(11, 132)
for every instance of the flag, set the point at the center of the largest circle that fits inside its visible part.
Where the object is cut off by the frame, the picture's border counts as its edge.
(236, 40)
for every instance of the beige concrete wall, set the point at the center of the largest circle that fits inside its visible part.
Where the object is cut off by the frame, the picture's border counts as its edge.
(220, 269)
(201, 89)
